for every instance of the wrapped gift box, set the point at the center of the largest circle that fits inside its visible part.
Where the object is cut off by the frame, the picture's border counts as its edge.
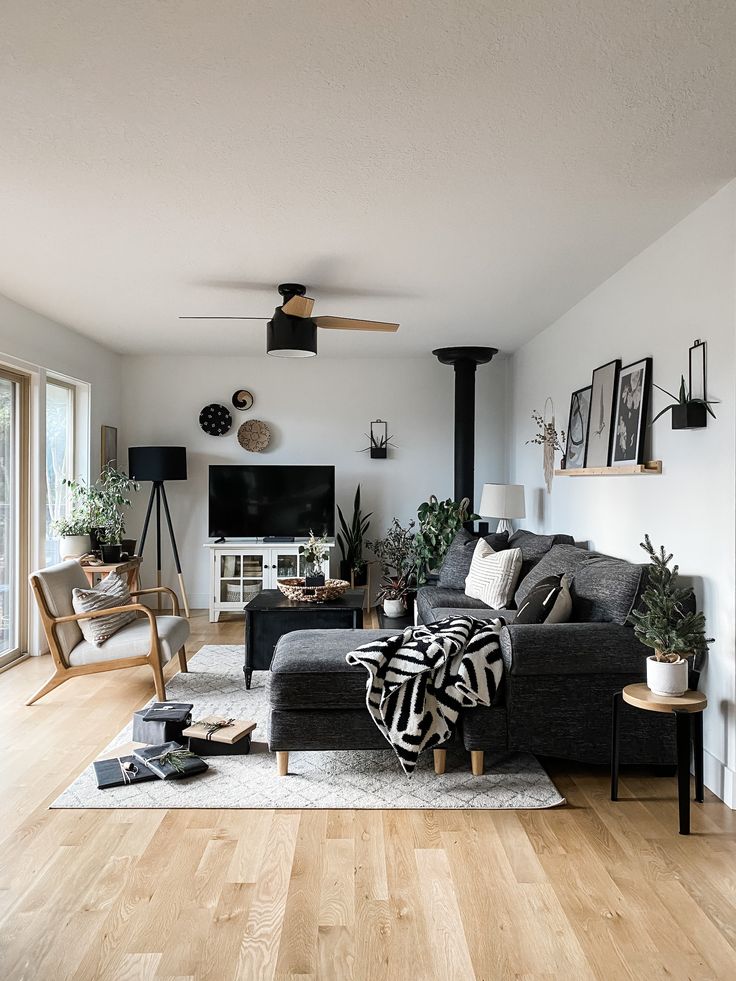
(170, 761)
(218, 736)
(121, 771)
(162, 722)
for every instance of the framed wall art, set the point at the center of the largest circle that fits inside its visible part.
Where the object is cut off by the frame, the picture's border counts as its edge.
(577, 428)
(602, 411)
(108, 446)
(632, 403)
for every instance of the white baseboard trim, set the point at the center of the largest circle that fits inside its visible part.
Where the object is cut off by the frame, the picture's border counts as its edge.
(720, 779)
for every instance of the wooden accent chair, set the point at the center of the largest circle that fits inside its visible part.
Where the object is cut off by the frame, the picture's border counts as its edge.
(147, 640)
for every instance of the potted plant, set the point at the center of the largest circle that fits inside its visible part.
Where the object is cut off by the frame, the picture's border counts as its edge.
(110, 499)
(350, 541)
(687, 412)
(393, 593)
(665, 624)
(397, 557)
(74, 528)
(313, 556)
(439, 522)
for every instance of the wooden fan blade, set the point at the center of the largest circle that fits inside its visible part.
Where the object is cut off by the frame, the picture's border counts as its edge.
(299, 306)
(345, 323)
(216, 317)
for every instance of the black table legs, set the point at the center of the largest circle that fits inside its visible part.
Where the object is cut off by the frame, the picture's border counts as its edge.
(682, 722)
(689, 731)
(615, 743)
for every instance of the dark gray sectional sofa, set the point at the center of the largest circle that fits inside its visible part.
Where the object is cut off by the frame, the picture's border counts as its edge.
(560, 678)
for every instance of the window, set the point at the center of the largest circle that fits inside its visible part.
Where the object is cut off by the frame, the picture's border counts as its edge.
(13, 513)
(60, 426)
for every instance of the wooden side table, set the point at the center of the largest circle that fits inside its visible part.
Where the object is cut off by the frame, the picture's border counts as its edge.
(688, 712)
(128, 569)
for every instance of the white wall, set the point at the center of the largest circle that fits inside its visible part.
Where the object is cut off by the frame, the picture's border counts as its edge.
(318, 410)
(42, 343)
(682, 287)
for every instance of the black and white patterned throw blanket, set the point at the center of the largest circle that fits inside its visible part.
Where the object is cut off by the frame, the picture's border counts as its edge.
(419, 680)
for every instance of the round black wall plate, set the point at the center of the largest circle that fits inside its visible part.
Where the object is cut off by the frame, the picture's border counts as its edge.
(215, 419)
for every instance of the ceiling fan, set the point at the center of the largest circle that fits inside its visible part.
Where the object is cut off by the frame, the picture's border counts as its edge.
(292, 331)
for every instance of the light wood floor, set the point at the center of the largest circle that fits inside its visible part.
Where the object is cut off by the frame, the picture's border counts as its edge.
(592, 890)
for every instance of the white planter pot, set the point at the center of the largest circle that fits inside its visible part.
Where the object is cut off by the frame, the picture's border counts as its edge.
(394, 607)
(667, 679)
(74, 546)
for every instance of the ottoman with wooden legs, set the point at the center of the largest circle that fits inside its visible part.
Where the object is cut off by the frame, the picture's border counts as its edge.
(317, 700)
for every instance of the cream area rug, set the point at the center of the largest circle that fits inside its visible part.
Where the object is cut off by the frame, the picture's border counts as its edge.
(350, 779)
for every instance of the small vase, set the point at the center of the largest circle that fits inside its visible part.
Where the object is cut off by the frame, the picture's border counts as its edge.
(394, 608)
(313, 575)
(110, 553)
(667, 678)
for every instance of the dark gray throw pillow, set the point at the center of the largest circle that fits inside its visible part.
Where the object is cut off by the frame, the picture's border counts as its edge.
(547, 602)
(456, 565)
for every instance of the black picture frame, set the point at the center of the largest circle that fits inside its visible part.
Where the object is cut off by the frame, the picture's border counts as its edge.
(632, 406)
(577, 428)
(599, 440)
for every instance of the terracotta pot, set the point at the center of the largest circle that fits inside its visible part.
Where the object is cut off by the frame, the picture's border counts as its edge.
(667, 678)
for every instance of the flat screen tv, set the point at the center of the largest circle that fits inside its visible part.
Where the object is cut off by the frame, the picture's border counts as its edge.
(261, 501)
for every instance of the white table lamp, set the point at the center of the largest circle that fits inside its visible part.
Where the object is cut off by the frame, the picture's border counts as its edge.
(504, 501)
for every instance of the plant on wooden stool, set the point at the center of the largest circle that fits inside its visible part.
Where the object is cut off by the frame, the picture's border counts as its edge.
(667, 623)
(397, 556)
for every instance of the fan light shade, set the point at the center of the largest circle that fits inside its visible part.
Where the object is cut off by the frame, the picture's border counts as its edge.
(502, 501)
(157, 463)
(291, 337)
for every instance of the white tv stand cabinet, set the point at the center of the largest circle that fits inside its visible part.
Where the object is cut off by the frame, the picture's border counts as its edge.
(240, 569)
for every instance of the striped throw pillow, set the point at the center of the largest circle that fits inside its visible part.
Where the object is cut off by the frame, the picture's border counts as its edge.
(110, 591)
(492, 577)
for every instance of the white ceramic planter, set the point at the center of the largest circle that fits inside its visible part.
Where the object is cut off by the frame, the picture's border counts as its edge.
(74, 546)
(394, 607)
(664, 678)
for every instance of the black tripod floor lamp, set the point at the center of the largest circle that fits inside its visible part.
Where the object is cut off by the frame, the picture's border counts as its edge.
(158, 464)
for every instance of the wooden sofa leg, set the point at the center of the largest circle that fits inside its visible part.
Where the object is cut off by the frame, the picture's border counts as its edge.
(54, 681)
(440, 760)
(282, 764)
(183, 659)
(476, 762)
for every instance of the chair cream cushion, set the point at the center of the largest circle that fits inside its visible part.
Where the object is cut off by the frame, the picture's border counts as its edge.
(134, 640)
(492, 577)
(109, 592)
(57, 583)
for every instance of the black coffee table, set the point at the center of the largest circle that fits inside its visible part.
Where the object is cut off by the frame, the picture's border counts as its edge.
(270, 614)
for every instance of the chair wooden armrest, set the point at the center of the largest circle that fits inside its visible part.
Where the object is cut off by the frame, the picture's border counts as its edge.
(95, 614)
(161, 589)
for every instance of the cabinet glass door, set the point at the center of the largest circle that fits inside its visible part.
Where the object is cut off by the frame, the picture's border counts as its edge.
(286, 565)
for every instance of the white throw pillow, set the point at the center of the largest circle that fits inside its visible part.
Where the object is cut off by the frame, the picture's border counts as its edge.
(110, 591)
(492, 577)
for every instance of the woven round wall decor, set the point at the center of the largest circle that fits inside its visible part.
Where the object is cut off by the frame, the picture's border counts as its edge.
(254, 436)
(215, 419)
(242, 399)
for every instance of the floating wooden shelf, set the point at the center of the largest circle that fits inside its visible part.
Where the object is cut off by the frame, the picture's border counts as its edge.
(650, 467)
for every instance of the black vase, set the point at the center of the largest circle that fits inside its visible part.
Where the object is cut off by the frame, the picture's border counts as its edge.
(345, 570)
(128, 546)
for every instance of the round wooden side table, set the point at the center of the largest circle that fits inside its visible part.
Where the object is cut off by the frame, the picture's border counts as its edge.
(688, 712)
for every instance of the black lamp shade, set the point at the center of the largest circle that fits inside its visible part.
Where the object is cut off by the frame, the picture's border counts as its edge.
(157, 462)
(291, 337)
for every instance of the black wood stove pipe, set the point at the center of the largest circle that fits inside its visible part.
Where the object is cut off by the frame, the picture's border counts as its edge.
(465, 360)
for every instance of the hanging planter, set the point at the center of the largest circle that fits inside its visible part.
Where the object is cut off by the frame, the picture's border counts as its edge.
(379, 440)
(548, 437)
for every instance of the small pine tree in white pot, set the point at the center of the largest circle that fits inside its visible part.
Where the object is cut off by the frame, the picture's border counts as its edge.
(665, 624)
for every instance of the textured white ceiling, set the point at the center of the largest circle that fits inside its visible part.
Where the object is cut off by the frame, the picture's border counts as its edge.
(469, 168)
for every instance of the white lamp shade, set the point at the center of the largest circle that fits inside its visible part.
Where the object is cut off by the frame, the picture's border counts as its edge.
(502, 501)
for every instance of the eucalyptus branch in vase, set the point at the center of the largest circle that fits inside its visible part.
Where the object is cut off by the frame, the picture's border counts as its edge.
(548, 437)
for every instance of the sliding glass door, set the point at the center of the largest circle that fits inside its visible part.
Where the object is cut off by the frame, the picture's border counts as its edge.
(13, 514)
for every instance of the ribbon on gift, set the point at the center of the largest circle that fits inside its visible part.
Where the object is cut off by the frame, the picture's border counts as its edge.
(212, 727)
(126, 769)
